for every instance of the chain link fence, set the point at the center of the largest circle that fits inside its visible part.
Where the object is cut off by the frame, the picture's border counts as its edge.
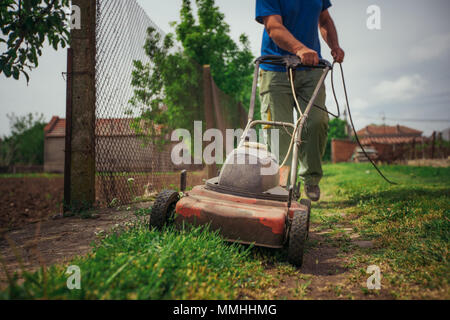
(128, 166)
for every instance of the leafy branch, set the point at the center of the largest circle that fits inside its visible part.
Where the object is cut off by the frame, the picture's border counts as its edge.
(25, 25)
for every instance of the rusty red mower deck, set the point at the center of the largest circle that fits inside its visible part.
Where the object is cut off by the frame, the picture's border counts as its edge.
(239, 219)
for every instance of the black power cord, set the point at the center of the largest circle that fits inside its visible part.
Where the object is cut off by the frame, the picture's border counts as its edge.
(293, 62)
(350, 117)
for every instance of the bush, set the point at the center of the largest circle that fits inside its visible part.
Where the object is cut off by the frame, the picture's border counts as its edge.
(25, 145)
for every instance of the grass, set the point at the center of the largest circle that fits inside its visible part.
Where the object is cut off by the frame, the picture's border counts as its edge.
(138, 264)
(408, 224)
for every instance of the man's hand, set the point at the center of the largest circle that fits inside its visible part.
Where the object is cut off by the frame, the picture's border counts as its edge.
(338, 54)
(309, 57)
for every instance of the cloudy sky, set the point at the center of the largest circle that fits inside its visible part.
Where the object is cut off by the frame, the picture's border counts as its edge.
(401, 72)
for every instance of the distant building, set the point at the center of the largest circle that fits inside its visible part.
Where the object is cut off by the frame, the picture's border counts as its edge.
(118, 148)
(54, 145)
(446, 134)
(381, 142)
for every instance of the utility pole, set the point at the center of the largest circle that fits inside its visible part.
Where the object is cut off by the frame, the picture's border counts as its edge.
(81, 100)
(383, 120)
(348, 130)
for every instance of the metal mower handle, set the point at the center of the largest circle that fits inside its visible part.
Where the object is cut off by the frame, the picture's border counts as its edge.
(291, 61)
(285, 61)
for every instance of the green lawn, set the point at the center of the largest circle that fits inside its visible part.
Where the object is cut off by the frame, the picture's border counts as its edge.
(409, 224)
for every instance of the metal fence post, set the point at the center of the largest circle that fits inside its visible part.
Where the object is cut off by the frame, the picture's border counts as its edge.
(82, 151)
(433, 142)
(209, 112)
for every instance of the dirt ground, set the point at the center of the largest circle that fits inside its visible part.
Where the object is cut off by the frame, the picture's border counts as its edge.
(56, 240)
(438, 163)
(29, 200)
(324, 275)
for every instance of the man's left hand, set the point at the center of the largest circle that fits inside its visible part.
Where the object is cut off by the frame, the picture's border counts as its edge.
(338, 54)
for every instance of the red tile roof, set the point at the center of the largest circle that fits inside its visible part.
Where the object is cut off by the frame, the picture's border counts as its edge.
(388, 140)
(55, 128)
(398, 130)
(388, 134)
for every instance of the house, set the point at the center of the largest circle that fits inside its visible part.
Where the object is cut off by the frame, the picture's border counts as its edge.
(118, 148)
(385, 143)
(446, 134)
(54, 145)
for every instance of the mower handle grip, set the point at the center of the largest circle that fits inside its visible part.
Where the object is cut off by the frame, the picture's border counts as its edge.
(291, 61)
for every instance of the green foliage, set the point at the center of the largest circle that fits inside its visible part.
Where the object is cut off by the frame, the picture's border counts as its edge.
(25, 145)
(25, 25)
(336, 130)
(138, 264)
(168, 90)
(207, 42)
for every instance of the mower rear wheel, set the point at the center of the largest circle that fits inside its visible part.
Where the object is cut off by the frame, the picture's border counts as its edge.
(297, 237)
(307, 203)
(163, 209)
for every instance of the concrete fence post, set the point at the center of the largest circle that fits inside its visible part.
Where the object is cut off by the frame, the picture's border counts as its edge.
(81, 99)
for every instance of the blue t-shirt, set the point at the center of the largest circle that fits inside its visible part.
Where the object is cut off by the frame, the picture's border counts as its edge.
(300, 17)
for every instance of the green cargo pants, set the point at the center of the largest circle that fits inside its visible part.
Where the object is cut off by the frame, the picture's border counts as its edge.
(277, 104)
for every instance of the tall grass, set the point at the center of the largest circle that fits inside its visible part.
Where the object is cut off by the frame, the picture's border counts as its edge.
(138, 264)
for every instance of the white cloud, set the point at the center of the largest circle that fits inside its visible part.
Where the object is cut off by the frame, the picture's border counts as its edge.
(359, 104)
(432, 47)
(402, 89)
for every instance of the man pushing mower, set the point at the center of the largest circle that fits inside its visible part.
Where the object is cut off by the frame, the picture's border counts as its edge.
(291, 28)
(253, 201)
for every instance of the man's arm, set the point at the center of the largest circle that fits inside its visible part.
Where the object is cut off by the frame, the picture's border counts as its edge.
(285, 40)
(329, 34)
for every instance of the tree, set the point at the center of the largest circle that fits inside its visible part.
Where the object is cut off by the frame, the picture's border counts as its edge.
(167, 88)
(336, 130)
(207, 41)
(25, 25)
(25, 145)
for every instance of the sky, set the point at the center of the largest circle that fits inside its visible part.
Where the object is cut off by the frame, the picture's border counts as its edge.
(400, 72)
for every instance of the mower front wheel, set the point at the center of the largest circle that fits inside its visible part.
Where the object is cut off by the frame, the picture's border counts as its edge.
(297, 237)
(163, 209)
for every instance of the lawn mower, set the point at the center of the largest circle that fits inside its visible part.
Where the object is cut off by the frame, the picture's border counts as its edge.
(245, 205)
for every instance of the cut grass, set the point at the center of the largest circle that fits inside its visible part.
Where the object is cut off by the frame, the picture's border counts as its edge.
(409, 223)
(138, 264)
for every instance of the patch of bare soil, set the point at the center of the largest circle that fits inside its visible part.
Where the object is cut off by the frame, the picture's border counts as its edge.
(28, 200)
(325, 274)
(56, 241)
(437, 163)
